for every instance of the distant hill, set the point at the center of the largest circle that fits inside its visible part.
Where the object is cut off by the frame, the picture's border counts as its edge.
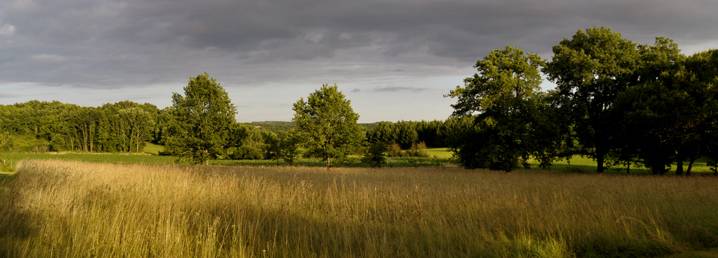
(282, 126)
(274, 126)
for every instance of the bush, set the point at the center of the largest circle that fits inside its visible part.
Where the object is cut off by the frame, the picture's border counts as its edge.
(23, 143)
(288, 146)
(376, 154)
(395, 150)
(417, 150)
(247, 152)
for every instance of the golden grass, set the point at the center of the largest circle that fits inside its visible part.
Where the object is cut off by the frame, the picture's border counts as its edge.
(75, 209)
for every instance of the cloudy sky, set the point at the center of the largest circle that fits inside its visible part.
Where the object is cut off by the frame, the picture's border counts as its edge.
(395, 59)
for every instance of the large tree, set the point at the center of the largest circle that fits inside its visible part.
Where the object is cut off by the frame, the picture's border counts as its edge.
(656, 117)
(702, 69)
(201, 120)
(591, 69)
(327, 123)
(502, 95)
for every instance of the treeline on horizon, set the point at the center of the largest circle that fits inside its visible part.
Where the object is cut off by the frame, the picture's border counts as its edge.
(616, 101)
(126, 126)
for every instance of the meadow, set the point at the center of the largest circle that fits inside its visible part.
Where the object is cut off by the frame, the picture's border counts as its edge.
(436, 157)
(53, 208)
(9, 160)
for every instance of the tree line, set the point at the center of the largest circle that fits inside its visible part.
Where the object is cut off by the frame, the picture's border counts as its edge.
(615, 100)
(200, 125)
(54, 126)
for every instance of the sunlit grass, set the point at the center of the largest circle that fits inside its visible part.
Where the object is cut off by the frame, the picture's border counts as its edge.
(440, 153)
(153, 149)
(438, 157)
(76, 209)
(145, 159)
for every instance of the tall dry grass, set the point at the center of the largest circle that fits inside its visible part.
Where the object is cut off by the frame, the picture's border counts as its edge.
(74, 209)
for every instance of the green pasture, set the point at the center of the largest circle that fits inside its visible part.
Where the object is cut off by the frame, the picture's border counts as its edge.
(437, 157)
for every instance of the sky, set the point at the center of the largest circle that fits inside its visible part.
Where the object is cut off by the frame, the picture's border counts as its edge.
(394, 59)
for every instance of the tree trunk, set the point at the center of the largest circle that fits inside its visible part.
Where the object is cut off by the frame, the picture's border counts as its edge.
(599, 162)
(83, 130)
(92, 138)
(690, 166)
(679, 167)
(658, 168)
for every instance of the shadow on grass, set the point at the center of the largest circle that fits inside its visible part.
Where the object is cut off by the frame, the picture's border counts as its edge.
(15, 223)
(391, 162)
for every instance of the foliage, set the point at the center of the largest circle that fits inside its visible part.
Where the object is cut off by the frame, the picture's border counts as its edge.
(502, 95)
(590, 70)
(652, 110)
(417, 150)
(289, 146)
(327, 124)
(53, 126)
(376, 155)
(703, 70)
(406, 134)
(283, 145)
(201, 120)
(384, 132)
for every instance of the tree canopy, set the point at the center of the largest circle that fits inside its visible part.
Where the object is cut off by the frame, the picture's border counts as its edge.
(503, 96)
(590, 70)
(327, 123)
(202, 119)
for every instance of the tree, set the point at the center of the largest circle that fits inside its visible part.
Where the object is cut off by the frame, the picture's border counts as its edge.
(272, 145)
(429, 132)
(378, 139)
(288, 146)
(406, 134)
(656, 116)
(702, 69)
(201, 120)
(384, 132)
(138, 127)
(591, 69)
(376, 154)
(327, 123)
(501, 97)
(550, 132)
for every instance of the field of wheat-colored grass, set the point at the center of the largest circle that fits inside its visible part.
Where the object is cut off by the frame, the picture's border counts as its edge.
(76, 209)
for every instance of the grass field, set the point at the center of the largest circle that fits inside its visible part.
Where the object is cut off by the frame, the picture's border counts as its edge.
(153, 149)
(78, 209)
(12, 158)
(438, 157)
(440, 153)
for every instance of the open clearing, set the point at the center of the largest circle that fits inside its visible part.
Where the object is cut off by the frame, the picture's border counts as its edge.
(76, 209)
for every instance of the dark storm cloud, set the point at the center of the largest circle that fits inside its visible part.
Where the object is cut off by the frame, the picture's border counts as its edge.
(103, 42)
(116, 44)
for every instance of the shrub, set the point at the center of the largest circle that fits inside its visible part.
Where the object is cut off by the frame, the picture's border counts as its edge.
(417, 150)
(289, 146)
(248, 152)
(376, 154)
(395, 150)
